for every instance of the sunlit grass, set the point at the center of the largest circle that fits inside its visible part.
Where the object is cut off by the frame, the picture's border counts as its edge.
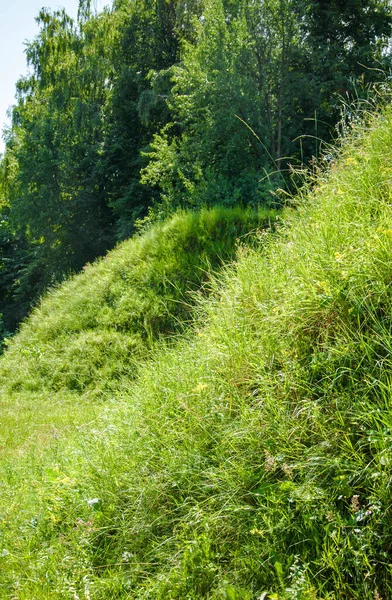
(89, 337)
(252, 459)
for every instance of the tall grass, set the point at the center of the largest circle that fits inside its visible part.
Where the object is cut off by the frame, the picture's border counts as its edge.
(90, 336)
(253, 459)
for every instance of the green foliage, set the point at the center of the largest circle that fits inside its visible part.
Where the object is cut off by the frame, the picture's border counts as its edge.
(251, 460)
(252, 456)
(261, 88)
(54, 149)
(169, 104)
(150, 37)
(98, 327)
(346, 50)
(82, 117)
(219, 106)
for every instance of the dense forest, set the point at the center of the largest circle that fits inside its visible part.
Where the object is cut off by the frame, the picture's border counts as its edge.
(126, 115)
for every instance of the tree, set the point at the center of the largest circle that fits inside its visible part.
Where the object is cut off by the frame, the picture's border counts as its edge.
(257, 89)
(151, 34)
(55, 197)
(230, 92)
(346, 49)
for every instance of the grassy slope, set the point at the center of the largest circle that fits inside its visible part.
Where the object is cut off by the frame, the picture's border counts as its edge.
(254, 459)
(90, 336)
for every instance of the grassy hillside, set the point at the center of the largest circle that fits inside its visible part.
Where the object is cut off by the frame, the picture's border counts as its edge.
(253, 459)
(91, 335)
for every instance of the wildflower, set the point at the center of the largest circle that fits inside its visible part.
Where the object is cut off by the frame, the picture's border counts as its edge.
(93, 502)
(199, 388)
(355, 506)
(288, 471)
(329, 516)
(269, 461)
(322, 287)
(88, 524)
(127, 556)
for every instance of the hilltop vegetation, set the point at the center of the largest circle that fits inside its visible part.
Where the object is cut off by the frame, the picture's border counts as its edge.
(253, 458)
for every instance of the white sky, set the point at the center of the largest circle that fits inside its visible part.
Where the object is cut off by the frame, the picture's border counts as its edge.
(17, 25)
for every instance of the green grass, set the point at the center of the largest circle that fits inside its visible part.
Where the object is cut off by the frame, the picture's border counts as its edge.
(253, 458)
(89, 337)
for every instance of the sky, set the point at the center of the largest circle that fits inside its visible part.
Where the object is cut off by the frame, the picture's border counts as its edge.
(17, 24)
